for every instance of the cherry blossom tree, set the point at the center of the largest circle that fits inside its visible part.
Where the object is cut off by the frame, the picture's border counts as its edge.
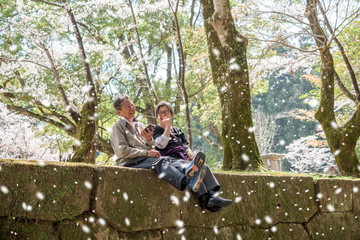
(309, 155)
(18, 139)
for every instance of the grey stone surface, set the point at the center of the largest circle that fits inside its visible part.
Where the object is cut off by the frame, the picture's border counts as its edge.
(62, 186)
(14, 229)
(135, 199)
(102, 202)
(286, 231)
(85, 227)
(259, 201)
(334, 195)
(335, 226)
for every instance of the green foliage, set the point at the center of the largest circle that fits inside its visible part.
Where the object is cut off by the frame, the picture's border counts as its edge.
(283, 97)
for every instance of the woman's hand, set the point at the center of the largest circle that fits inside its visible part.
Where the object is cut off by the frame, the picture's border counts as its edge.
(166, 122)
(190, 155)
(153, 153)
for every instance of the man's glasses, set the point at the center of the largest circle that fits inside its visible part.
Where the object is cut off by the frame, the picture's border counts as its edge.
(128, 107)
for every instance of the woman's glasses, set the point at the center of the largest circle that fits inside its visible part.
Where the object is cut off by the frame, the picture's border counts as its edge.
(166, 112)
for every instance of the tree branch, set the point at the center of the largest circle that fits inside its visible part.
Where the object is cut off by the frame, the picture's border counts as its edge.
(344, 89)
(24, 60)
(41, 118)
(49, 3)
(343, 54)
(75, 116)
(89, 79)
(141, 54)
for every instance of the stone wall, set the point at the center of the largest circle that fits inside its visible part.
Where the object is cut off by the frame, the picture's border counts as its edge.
(81, 201)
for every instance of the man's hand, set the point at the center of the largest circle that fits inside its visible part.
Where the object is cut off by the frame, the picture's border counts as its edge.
(153, 153)
(147, 134)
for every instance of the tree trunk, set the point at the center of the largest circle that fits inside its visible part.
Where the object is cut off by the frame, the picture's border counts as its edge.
(85, 149)
(341, 140)
(227, 53)
(181, 77)
(87, 126)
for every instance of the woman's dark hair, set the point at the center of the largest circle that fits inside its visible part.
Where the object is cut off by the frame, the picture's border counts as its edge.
(118, 100)
(164, 104)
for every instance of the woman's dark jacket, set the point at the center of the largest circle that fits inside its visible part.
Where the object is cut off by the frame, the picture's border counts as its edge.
(177, 139)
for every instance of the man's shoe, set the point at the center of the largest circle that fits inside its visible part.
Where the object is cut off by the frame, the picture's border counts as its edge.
(203, 199)
(194, 184)
(213, 209)
(197, 162)
(216, 200)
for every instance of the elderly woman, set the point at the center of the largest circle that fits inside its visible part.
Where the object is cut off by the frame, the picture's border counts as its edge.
(171, 141)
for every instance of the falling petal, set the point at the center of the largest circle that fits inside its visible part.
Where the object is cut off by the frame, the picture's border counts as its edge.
(338, 190)
(40, 196)
(88, 185)
(102, 221)
(268, 219)
(216, 230)
(245, 157)
(216, 51)
(4, 189)
(330, 207)
(175, 200)
(127, 222)
(85, 228)
(125, 196)
(179, 223)
(273, 228)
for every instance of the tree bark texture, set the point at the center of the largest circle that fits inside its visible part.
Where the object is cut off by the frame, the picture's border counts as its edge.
(87, 125)
(227, 53)
(341, 140)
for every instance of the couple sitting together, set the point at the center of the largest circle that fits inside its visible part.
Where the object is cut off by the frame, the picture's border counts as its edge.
(172, 159)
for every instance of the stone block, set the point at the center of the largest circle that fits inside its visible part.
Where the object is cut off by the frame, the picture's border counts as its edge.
(259, 200)
(334, 195)
(334, 226)
(26, 229)
(135, 199)
(288, 231)
(142, 235)
(356, 196)
(218, 233)
(86, 227)
(51, 191)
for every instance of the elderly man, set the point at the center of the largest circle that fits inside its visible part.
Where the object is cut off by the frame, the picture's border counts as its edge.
(133, 146)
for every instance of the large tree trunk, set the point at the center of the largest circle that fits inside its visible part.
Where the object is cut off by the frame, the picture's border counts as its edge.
(85, 149)
(227, 53)
(87, 126)
(341, 140)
